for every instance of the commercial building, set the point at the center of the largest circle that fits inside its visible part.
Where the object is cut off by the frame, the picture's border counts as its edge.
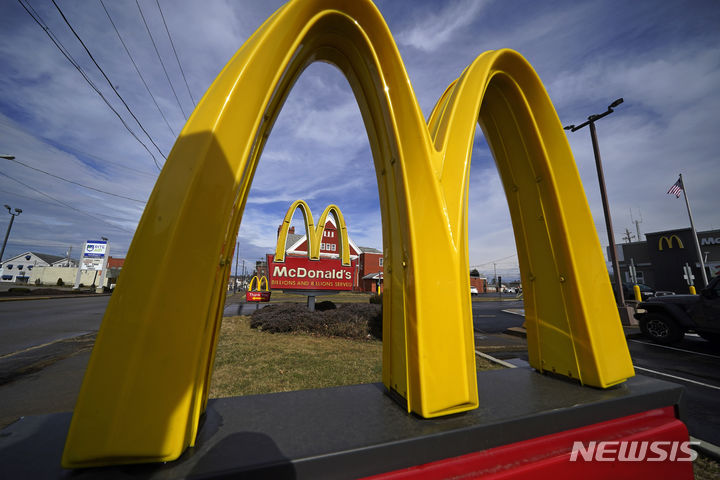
(371, 270)
(44, 269)
(660, 259)
(18, 269)
(369, 261)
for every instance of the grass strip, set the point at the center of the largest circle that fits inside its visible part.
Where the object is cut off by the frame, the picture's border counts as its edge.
(250, 362)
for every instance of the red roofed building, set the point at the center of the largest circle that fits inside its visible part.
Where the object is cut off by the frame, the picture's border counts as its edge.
(368, 274)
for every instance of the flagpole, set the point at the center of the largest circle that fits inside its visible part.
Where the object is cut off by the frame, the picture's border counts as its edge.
(694, 234)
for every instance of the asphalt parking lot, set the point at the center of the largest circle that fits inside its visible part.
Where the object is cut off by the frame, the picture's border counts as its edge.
(693, 363)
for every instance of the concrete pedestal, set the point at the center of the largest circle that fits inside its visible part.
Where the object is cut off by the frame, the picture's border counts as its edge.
(357, 431)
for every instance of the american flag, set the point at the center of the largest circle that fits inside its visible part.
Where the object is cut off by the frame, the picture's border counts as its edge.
(676, 188)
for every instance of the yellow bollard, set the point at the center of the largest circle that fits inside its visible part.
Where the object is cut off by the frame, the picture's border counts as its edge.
(638, 296)
(692, 290)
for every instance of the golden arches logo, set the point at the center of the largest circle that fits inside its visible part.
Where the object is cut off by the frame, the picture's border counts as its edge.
(668, 241)
(314, 233)
(422, 171)
(258, 294)
(258, 284)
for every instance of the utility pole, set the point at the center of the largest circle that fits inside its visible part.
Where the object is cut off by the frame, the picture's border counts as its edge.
(637, 224)
(237, 254)
(603, 193)
(495, 279)
(18, 211)
(628, 236)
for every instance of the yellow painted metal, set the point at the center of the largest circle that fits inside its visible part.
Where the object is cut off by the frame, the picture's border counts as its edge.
(668, 241)
(147, 381)
(314, 233)
(638, 295)
(692, 290)
(258, 282)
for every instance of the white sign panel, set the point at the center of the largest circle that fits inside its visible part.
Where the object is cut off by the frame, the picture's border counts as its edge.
(93, 255)
(91, 264)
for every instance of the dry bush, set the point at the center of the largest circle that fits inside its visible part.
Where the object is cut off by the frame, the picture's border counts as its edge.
(351, 320)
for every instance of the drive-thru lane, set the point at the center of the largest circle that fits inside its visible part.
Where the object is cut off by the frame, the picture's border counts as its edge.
(693, 363)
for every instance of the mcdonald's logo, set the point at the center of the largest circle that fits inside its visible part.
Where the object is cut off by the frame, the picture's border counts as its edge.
(258, 284)
(258, 294)
(314, 233)
(151, 409)
(668, 241)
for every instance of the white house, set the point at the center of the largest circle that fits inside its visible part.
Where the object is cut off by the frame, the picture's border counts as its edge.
(18, 268)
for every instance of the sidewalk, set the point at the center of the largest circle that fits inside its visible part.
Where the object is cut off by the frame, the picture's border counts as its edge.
(53, 389)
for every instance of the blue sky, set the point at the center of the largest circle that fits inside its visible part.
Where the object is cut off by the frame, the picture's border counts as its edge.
(662, 57)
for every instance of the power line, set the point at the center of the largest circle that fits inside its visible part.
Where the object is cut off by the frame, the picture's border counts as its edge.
(160, 58)
(63, 203)
(69, 57)
(495, 261)
(75, 183)
(137, 69)
(108, 81)
(42, 200)
(182, 72)
(75, 151)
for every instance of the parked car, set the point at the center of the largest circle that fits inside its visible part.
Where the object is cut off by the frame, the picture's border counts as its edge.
(666, 319)
(473, 291)
(646, 291)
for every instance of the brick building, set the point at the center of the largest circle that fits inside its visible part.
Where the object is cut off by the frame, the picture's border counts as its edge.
(368, 273)
(370, 270)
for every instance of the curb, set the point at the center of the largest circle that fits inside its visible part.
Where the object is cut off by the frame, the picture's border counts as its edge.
(494, 360)
(706, 448)
(50, 297)
(516, 332)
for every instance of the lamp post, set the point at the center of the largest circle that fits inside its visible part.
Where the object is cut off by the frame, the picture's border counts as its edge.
(603, 193)
(7, 234)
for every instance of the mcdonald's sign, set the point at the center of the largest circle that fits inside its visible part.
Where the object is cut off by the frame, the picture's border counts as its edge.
(668, 242)
(313, 272)
(150, 410)
(258, 294)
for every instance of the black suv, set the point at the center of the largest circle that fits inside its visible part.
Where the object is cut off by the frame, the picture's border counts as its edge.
(666, 319)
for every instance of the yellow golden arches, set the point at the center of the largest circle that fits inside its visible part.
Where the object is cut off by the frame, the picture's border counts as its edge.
(314, 233)
(668, 241)
(258, 284)
(158, 336)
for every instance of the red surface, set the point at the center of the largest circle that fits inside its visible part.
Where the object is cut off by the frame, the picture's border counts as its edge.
(329, 244)
(549, 456)
(301, 273)
(257, 296)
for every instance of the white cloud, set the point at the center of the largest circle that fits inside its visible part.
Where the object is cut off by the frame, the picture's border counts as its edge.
(438, 28)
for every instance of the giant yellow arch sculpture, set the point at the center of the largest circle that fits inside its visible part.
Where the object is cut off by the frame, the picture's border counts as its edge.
(147, 382)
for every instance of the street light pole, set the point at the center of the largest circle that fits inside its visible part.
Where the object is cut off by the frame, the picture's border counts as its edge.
(7, 234)
(603, 193)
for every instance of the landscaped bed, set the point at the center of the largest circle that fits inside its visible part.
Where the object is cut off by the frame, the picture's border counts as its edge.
(307, 350)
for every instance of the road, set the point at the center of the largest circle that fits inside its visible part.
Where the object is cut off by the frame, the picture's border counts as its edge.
(29, 323)
(693, 363)
(488, 316)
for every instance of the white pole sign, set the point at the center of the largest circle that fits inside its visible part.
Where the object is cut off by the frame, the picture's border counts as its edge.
(93, 255)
